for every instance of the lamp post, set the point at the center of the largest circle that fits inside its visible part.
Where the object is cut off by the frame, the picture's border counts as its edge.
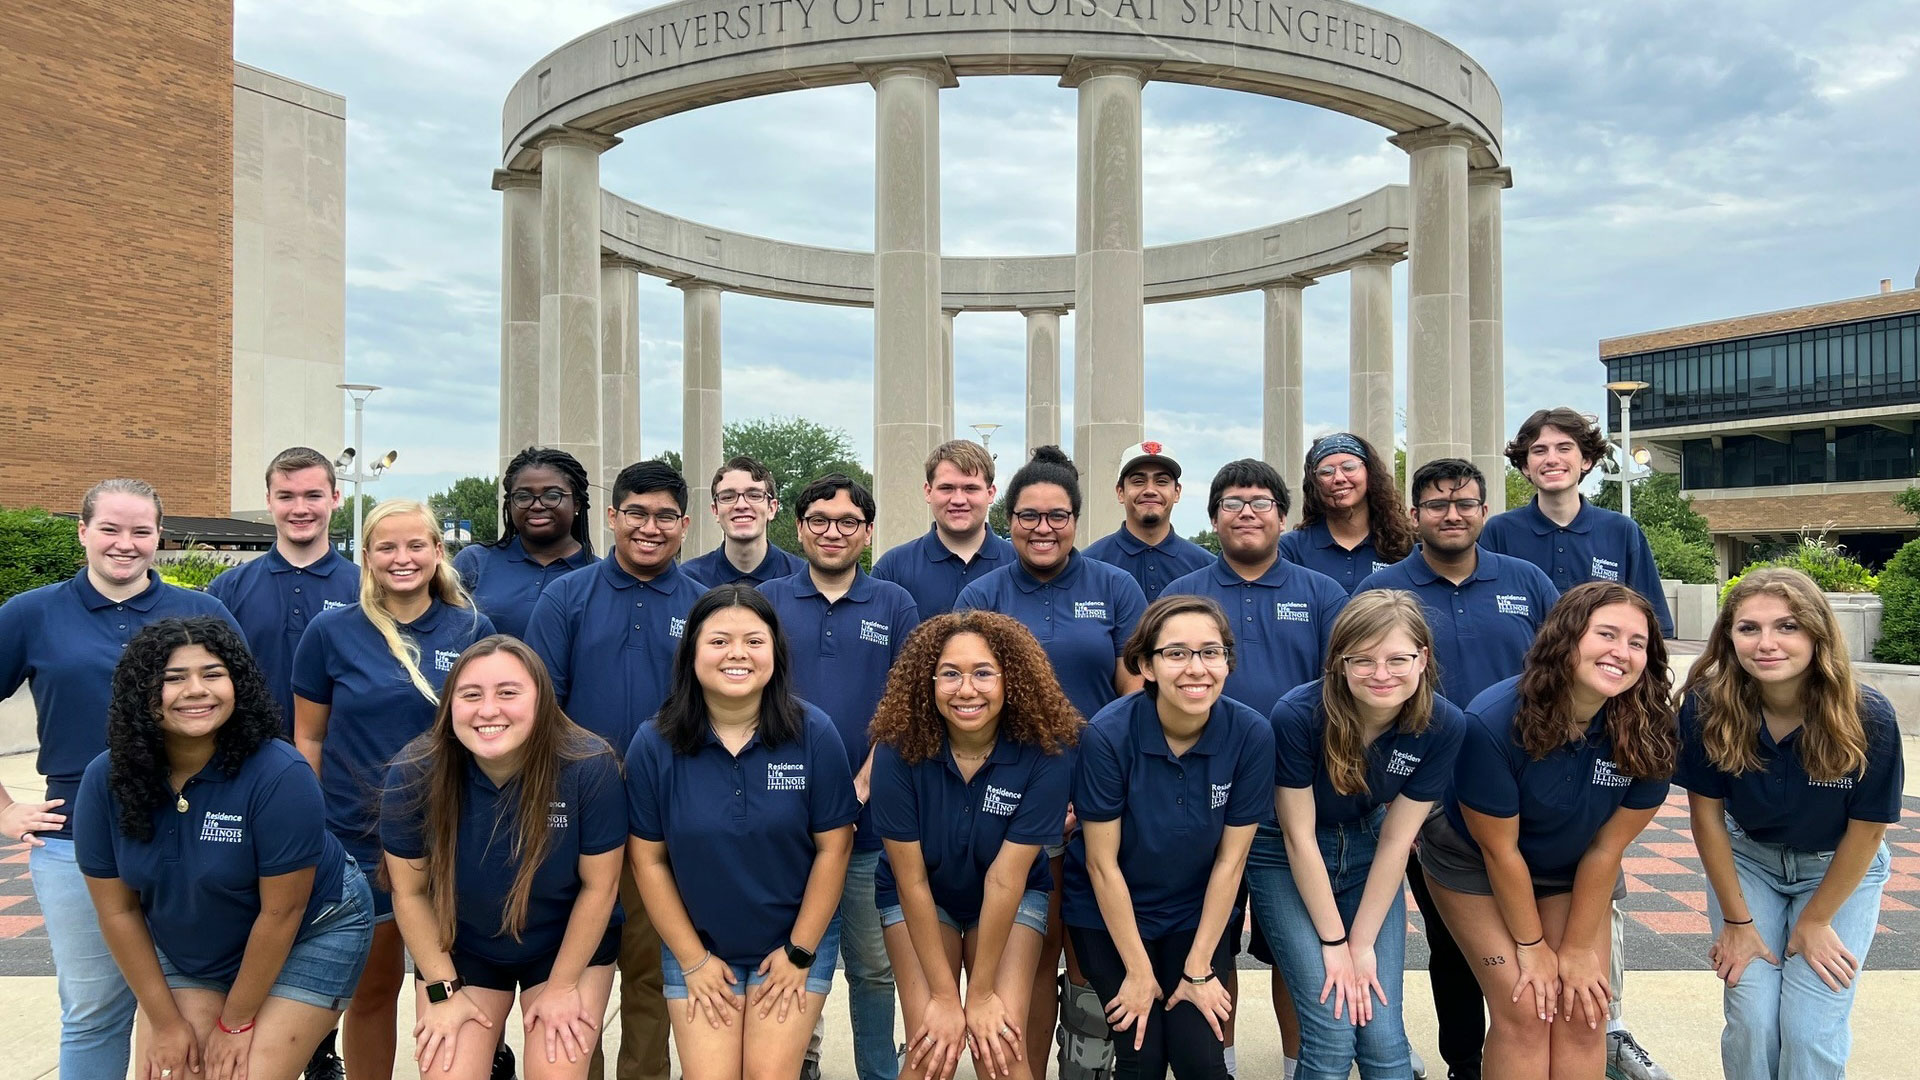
(985, 431)
(360, 392)
(1624, 390)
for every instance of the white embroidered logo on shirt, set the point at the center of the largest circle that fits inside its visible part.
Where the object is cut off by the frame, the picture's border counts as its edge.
(1513, 604)
(1607, 774)
(1605, 569)
(557, 814)
(1402, 763)
(223, 828)
(1220, 793)
(443, 659)
(1379, 566)
(1000, 802)
(329, 605)
(786, 776)
(1292, 611)
(1090, 609)
(676, 627)
(1844, 783)
(876, 632)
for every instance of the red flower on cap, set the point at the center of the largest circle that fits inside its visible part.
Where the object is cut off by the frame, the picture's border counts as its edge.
(1150, 447)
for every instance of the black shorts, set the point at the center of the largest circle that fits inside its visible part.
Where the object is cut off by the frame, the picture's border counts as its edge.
(1452, 861)
(492, 975)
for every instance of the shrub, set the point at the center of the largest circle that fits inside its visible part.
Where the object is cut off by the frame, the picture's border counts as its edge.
(1677, 556)
(36, 548)
(1827, 564)
(195, 569)
(1900, 615)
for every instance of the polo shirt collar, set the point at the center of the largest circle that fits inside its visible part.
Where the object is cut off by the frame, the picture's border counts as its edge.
(481, 781)
(1130, 543)
(936, 551)
(616, 575)
(1321, 536)
(1028, 583)
(1279, 573)
(1150, 739)
(142, 601)
(713, 739)
(429, 619)
(1423, 572)
(1005, 752)
(859, 592)
(324, 566)
(1542, 525)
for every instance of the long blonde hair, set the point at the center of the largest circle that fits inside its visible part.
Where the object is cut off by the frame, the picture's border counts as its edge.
(444, 586)
(1368, 618)
(1833, 742)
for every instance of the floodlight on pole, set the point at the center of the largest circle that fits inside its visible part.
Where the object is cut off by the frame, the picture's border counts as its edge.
(1624, 389)
(360, 392)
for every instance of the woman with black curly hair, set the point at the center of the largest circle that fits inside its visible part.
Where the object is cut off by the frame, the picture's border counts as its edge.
(546, 533)
(237, 918)
(1352, 520)
(973, 728)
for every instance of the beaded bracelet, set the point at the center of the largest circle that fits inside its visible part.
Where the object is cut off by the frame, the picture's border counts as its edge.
(698, 966)
(221, 1023)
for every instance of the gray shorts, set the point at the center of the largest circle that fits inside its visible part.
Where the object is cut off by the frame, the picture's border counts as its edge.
(1452, 861)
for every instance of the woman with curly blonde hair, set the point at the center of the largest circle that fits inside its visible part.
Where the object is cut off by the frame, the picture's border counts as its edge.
(1793, 771)
(973, 728)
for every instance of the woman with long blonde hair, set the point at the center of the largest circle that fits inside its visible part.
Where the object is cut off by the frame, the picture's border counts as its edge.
(366, 679)
(1793, 772)
(1362, 754)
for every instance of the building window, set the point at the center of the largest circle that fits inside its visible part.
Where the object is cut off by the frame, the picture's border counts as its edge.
(1872, 452)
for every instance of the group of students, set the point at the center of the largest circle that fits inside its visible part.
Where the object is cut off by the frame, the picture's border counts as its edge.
(529, 768)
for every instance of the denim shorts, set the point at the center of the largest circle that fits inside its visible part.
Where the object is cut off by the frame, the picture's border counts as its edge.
(323, 967)
(819, 976)
(1032, 914)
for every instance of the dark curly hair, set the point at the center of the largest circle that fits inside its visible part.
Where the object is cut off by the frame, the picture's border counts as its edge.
(566, 465)
(1386, 512)
(1036, 713)
(1640, 721)
(138, 768)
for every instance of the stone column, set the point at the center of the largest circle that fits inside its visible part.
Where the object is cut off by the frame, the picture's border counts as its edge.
(519, 311)
(700, 424)
(1109, 278)
(908, 404)
(570, 292)
(1438, 367)
(1043, 377)
(1370, 352)
(947, 429)
(1283, 386)
(619, 378)
(1486, 330)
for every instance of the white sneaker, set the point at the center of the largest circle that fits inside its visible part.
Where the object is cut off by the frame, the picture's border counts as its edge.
(1628, 1060)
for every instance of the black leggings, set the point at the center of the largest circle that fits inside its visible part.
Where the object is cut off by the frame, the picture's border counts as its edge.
(1457, 1002)
(1181, 1038)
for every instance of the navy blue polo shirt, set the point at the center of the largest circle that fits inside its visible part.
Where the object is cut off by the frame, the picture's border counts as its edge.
(1019, 796)
(608, 641)
(1482, 627)
(739, 830)
(1281, 622)
(1314, 547)
(64, 640)
(505, 582)
(842, 652)
(933, 575)
(1597, 545)
(1780, 803)
(1417, 766)
(1562, 800)
(714, 568)
(343, 663)
(1154, 566)
(1172, 810)
(586, 816)
(1082, 617)
(199, 877)
(274, 600)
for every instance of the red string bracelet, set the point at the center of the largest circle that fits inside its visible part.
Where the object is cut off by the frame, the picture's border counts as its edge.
(221, 1023)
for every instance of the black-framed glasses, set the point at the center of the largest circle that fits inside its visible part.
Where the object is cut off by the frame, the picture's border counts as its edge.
(637, 517)
(1365, 666)
(754, 497)
(1031, 519)
(1439, 506)
(1233, 504)
(550, 498)
(1180, 655)
(1344, 468)
(818, 524)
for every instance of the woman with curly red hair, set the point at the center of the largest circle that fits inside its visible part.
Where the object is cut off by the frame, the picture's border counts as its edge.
(974, 731)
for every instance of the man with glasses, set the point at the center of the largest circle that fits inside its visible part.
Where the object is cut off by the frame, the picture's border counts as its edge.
(854, 627)
(608, 634)
(959, 548)
(1146, 545)
(744, 501)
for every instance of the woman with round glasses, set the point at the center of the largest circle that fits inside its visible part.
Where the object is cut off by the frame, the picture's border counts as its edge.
(545, 534)
(1352, 521)
(1169, 783)
(1363, 754)
(970, 780)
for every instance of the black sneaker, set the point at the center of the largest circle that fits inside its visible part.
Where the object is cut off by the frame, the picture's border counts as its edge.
(325, 1064)
(809, 1070)
(503, 1062)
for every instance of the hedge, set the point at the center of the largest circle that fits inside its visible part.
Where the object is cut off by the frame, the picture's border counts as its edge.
(36, 548)
(1900, 612)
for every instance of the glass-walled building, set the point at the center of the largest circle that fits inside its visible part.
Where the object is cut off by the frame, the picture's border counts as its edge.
(1785, 423)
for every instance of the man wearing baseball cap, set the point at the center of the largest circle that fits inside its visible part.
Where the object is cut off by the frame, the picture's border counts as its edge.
(1146, 547)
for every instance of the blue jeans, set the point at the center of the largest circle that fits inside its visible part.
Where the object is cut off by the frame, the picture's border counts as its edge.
(863, 950)
(96, 1004)
(1783, 1023)
(1330, 1047)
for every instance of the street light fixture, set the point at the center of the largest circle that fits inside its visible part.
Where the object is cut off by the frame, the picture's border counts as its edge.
(360, 475)
(985, 431)
(1624, 389)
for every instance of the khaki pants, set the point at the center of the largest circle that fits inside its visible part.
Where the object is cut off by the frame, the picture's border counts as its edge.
(643, 1003)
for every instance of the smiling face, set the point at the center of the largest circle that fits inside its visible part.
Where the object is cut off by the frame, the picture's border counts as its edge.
(733, 655)
(1379, 689)
(1342, 481)
(536, 522)
(1148, 495)
(969, 704)
(1771, 642)
(833, 551)
(643, 545)
(1450, 531)
(121, 537)
(1554, 461)
(196, 694)
(403, 552)
(1189, 688)
(1612, 654)
(960, 500)
(494, 705)
(1247, 535)
(740, 517)
(1043, 547)
(302, 503)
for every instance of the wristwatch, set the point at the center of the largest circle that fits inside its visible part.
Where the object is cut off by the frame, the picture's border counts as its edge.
(438, 992)
(799, 957)
(1199, 980)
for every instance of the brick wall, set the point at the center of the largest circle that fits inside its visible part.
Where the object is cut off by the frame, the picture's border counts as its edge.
(1790, 513)
(116, 291)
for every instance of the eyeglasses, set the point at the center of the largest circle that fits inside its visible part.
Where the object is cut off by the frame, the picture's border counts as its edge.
(1180, 655)
(1233, 504)
(817, 524)
(755, 497)
(1439, 506)
(950, 679)
(1031, 519)
(1345, 468)
(637, 518)
(550, 498)
(1364, 666)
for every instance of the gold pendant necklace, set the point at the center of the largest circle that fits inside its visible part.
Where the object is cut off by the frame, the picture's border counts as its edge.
(180, 799)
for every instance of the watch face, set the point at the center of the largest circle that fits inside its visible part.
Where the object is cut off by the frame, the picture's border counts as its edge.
(437, 992)
(799, 957)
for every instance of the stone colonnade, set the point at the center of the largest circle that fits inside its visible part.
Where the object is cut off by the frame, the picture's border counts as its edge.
(569, 340)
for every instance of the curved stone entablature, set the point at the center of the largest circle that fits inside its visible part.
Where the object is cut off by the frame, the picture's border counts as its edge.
(1306, 247)
(694, 53)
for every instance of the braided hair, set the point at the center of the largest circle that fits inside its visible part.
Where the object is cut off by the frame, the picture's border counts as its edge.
(566, 465)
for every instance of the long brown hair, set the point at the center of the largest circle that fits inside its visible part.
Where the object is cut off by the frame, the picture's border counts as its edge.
(1640, 720)
(1833, 742)
(1036, 711)
(440, 764)
(1386, 513)
(1368, 618)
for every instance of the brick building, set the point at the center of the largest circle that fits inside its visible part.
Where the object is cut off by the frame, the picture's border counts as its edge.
(1789, 422)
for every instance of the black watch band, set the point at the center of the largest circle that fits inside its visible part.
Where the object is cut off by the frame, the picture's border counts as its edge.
(1200, 980)
(438, 992)
(799, 957)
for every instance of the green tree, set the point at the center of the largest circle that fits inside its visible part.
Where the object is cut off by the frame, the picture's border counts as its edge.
(672, 458)
(1657, 500)
(340, 526)
(1900, 596)
(37, 548)
(1208, 539)
(1909, 500)
(1519, 488)
(797, 450)
(471, 498)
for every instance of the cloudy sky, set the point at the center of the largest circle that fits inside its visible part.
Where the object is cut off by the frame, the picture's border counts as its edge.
(1674, 162)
